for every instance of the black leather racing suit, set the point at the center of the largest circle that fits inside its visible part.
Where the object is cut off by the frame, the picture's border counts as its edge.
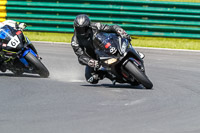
(84, 47)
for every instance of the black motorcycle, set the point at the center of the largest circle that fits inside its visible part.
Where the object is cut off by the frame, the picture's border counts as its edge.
(120, 60)
(18, 54)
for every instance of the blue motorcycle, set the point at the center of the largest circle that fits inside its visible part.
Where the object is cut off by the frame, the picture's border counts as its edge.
(18, 54)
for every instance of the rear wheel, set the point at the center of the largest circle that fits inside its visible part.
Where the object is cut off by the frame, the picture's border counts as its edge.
(138, 75)
(40, 68)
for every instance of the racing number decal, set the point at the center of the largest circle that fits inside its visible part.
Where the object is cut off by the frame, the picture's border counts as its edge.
(14, 42)
(112, 50)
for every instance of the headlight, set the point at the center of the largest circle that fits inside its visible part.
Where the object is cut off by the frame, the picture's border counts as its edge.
(124, 46)
(110, 61)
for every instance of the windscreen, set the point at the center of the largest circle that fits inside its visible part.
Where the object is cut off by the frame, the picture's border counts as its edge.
(110, 43)
(104, 38)
(11, 38)
(107, 43)
(6, 33)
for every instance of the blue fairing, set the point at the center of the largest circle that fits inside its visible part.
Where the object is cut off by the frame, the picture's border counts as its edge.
(29, 50)
(23, 60)
(4, 32)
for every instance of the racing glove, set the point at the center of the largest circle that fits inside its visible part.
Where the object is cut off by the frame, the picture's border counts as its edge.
(94, 63)
(123, 34)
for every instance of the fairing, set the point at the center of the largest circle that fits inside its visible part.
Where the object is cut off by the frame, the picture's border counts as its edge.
(109, 41)
(12, 39)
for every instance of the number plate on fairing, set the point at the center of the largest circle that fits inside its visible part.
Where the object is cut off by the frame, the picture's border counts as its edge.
(14, 42)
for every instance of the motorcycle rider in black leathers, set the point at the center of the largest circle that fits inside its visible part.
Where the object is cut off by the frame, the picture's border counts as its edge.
(82, 44)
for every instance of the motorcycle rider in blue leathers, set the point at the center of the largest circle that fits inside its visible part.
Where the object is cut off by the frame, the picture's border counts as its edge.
(16, 26)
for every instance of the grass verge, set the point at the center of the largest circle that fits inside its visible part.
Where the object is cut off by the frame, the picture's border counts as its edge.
(173, 43)
(48, 36)
(157, 42)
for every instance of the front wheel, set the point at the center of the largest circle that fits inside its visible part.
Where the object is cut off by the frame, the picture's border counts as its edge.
(138, 75)
(40, 68)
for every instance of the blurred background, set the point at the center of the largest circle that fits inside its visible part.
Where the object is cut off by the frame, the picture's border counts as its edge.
(175, 21)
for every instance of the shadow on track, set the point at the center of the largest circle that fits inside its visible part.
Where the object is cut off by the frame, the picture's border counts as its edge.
(23, 75)
(121, 86)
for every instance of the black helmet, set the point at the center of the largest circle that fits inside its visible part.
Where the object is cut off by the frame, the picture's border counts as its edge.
(82, 24)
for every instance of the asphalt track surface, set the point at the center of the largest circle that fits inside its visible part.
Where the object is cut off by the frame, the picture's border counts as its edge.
(66, 103)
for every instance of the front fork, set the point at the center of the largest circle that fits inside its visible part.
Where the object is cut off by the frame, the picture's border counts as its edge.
(126, 74)
(138, 64)
(23, 60)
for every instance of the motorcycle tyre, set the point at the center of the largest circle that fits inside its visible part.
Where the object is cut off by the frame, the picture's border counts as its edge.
(139, 75)
(43, 71)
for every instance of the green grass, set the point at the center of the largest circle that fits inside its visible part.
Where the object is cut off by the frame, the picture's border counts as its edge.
(48, 36)
(174, 43)
(157, 42)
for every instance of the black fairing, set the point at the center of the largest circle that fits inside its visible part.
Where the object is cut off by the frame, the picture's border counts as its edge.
(7, 34)
(124, 53)
(122, 46)
(101, 40)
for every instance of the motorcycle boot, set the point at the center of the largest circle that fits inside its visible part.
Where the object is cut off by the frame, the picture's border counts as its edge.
(100, 75)
(103, 73)
(94, 79)
(91, 76)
